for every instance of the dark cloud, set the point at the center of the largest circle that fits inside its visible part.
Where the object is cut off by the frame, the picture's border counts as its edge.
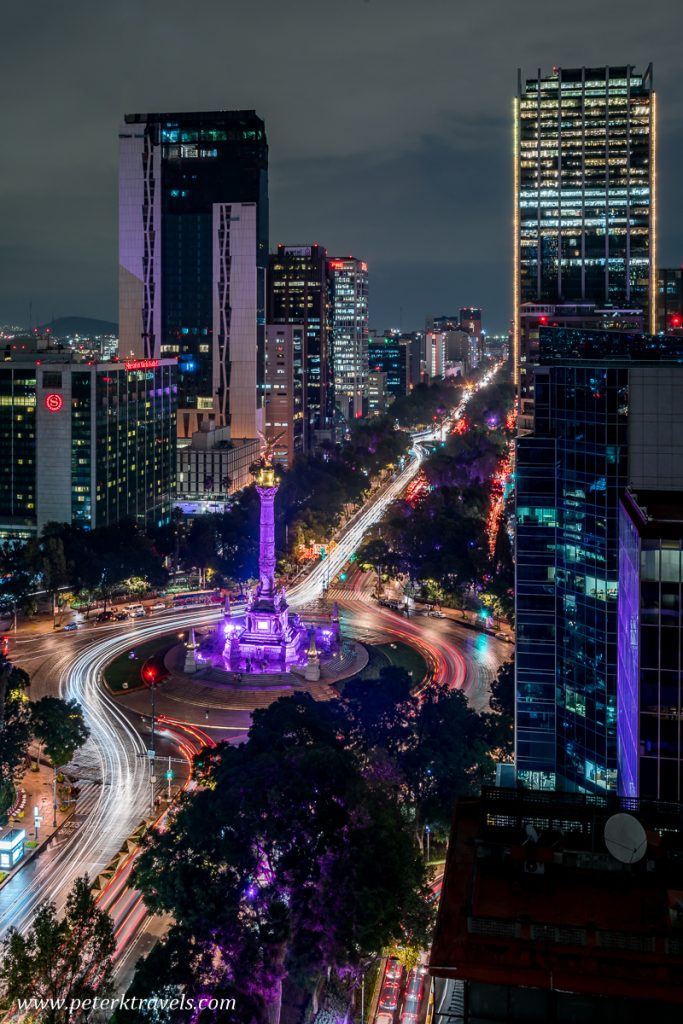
(388, 123)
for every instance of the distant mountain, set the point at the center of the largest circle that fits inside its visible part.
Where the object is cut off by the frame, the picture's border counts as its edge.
(64, 326)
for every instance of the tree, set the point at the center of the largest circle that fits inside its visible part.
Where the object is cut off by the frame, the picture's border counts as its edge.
(502, 718)
(60, 727)
(15, 727)
(68, 959)
(436, 743)
(288, 860)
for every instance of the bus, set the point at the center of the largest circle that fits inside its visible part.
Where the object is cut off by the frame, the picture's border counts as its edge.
(197, 598)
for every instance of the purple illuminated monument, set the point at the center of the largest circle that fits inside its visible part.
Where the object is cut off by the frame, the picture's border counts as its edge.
(268, 638)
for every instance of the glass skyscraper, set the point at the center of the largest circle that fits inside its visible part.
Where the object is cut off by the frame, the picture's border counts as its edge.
(584, 194)
(349, 294)
(606, 417)
(193, 246)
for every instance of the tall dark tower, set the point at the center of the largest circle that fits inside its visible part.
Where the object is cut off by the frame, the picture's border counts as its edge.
(298, 294)
(193, 253)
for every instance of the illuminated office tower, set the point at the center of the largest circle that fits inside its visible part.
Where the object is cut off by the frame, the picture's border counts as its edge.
(607, 417)
(349, 295)
(299, 294)
(584, 203)
(193, 252)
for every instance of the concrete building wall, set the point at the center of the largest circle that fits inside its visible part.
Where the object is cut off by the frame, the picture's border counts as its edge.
(655, 434)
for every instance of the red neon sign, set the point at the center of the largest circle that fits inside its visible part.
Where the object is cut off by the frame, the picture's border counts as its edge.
(141, 364)
(53, 402)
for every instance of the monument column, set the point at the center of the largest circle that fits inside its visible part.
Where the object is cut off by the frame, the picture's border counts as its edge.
(267, 489)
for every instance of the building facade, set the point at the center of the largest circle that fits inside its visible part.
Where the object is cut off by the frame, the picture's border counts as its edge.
(212, 466)
(585, 191)
(86, 443)
(670, 300)
(299, 294)
(377, 399)
(585, 316)
(650, 665)
(390, 354)
(284, 411)
(606, 417)
(193, 253)
(349, 323)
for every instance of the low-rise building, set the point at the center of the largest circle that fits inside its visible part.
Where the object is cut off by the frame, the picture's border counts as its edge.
(214, 465)
(541, 919)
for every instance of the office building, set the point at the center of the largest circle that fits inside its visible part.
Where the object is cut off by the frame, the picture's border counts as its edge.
(607, 417)
(349, 323)
(284, 415)
(670, 300)
(390, 354)
(582, 316)
(650, 659)
(85, 443)
(584, 192)
(435, 355)
(462, 350)
(299, 294)
(377, 399)
(543, 919)
(193, 253)
(470, 321)
(213, 465)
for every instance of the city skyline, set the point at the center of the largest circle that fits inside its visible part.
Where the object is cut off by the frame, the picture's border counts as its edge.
(415, 141)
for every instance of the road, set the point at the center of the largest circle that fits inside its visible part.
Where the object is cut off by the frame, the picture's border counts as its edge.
(112, 767)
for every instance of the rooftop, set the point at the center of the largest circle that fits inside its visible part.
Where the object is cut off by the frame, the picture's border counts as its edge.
(532, 897)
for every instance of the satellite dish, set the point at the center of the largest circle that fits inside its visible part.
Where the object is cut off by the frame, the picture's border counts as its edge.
(625, 838)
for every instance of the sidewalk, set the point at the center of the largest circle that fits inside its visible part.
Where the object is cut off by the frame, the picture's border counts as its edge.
(37, 787)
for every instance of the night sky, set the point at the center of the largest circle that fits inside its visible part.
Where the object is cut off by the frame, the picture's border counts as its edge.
(389, 124)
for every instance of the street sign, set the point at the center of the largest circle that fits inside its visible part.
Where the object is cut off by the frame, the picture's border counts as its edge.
(151, 754)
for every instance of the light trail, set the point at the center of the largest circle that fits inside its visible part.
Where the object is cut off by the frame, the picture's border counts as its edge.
(116, 748)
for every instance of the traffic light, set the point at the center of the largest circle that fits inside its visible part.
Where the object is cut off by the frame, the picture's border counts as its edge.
(342, 576)
(323, 553)
(352, 558)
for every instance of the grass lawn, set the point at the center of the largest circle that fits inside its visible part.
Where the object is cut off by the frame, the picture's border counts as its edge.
(382, 655)
(127, 670)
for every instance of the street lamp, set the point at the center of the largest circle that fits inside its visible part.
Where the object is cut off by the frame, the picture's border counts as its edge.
(150, 675)
(428, 832)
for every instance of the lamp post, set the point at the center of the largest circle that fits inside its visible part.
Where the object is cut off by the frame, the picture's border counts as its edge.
(54, 796)
(428, 832)
(150, 676)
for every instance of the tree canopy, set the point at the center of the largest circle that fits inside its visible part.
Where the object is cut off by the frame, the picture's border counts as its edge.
(289, 860)
(60, 959)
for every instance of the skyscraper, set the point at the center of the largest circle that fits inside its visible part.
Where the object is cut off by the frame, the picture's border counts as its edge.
(349, 295)
(607, 416)
(193, 252)
(584, 195)
(284, 418)
(650, 665)
(299, 294)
